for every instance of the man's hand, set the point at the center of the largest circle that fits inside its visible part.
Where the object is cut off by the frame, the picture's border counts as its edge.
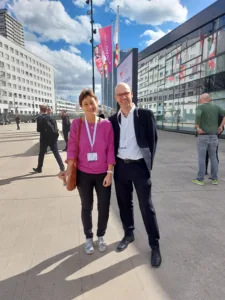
(220, 129)
(200, 131)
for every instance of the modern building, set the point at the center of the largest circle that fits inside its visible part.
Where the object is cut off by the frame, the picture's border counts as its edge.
(26, 81)
(186, 62)
(10, 28)
(69, 106)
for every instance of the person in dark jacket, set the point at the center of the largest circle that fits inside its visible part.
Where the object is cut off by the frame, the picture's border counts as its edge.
(65, 126)
(135, 138)
(17, 119)
(48, 129)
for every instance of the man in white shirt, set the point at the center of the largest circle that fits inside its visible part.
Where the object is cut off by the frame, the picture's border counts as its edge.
(135, 144)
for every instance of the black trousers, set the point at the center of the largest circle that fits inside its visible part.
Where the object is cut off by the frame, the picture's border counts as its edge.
(65, 134)
(54, 147)
(86, 183)
(126, 175)
(207, 159)
(18, 126)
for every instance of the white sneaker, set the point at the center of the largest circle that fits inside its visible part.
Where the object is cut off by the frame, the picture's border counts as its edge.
(101, 244)
(89, 246)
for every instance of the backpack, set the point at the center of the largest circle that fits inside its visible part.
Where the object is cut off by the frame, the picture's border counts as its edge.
(51, 129)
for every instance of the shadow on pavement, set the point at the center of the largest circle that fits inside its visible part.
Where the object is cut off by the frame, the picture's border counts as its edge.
(22, 177)
(34, 150)
(39, 283)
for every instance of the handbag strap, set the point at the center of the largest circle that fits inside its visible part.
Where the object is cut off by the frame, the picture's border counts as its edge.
(78, 141)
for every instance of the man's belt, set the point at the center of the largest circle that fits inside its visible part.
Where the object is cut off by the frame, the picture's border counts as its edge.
(131, 161)
(208, 134)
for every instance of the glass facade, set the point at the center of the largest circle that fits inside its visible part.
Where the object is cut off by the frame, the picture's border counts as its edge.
(171, 80)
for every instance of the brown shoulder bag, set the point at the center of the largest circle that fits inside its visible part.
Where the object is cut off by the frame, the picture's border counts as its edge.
(72, 179)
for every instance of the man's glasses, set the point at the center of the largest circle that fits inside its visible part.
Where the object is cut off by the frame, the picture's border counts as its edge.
(123, 94)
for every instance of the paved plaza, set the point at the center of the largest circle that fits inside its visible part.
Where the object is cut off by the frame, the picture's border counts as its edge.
(41, 249)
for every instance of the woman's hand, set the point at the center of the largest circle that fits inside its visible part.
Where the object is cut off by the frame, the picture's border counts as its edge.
(107, 180)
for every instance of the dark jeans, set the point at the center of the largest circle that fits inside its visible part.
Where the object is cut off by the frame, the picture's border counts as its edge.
(18, 126)
(126, 175)
(54, 147)
(207, 159)
(65, 134)
(86, 183)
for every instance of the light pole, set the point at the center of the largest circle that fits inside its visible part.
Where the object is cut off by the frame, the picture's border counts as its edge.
(93, 31)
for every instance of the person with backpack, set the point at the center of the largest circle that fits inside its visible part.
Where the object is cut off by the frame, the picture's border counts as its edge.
(49, 134)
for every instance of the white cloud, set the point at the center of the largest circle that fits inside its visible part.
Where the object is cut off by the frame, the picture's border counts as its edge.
(154, 12)
(51, 22)
(82, 3)
(74, 50)
(72, 72)
(127, 22)
(154, 35)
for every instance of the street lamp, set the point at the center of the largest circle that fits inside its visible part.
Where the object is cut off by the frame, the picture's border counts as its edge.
(93, 31)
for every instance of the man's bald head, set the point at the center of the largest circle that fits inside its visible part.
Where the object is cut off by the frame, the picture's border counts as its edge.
(205, 98)
(122, 85)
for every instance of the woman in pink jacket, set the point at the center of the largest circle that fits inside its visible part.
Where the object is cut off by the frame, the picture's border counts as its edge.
(95, 166)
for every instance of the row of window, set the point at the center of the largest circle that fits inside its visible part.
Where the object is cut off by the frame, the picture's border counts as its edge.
(20, 79)
(26, 73)
(25, 97)
(23, 88)
(26, 57)
(7, 57)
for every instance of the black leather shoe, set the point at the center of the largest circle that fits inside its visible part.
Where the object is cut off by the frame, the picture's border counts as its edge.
(124, 243)
(37, 170)
(156, 258)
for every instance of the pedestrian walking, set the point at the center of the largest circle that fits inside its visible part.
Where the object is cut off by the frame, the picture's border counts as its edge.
(135, 145)
(206, 123)
(95, 167)
(48, 129)
(65, 126)
(17, 119)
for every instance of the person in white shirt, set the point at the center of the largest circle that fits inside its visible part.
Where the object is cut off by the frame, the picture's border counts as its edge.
(135, 139)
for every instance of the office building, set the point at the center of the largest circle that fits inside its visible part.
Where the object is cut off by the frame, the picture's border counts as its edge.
(186, 62)
(69, 106)
(10, 28)
(26, 81)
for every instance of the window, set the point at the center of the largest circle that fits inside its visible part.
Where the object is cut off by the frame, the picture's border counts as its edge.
(0, 44)
(209, 47)
(14, 77)
(6, 47)
(7, 56)
(221, 41)
(1, 54)
(17, 53)
(14, 86)
(12, 50)
(13, 68)
(21, 54)
(17, 61)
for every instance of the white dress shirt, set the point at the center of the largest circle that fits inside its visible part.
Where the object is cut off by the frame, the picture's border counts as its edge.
(128, 147)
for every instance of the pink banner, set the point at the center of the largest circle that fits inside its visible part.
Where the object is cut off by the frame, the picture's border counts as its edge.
(106, 42)
(98, 59)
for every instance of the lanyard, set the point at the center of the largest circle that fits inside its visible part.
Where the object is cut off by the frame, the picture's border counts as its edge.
(92, 141)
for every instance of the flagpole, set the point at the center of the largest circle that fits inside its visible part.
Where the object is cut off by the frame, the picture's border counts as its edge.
(112, 68)
(118, 16)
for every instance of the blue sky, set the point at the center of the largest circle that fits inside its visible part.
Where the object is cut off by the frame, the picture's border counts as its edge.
(59, 31)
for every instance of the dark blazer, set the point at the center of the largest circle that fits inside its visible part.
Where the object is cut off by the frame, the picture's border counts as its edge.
(145, 131)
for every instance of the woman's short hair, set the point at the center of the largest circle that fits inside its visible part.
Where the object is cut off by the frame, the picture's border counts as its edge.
(85, 93)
